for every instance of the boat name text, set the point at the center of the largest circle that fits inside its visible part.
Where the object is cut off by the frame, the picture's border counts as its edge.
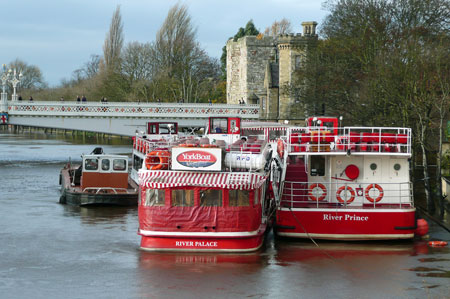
(195, 244)
(345, 217)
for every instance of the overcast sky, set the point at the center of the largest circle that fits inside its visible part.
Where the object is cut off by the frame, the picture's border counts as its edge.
(59, 36)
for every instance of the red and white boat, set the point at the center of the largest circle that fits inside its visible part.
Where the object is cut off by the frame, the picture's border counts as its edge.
(203, 194)
(349, 183)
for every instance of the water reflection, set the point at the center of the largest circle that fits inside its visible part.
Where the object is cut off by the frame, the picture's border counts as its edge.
(100, 214)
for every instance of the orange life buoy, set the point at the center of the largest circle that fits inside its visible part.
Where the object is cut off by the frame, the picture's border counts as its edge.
(352, 193)
(380, 196)
(188, 145)
(280, 148)
(321, 186)
(437, 243)
(157, 160)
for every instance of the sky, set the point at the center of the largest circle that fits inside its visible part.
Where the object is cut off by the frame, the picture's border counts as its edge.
(59, 36)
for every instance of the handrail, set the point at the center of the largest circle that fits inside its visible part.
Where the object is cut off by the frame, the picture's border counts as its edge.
(367, 194)
(107, 188)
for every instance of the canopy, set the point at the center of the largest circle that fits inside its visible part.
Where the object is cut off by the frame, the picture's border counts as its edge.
(159, 179)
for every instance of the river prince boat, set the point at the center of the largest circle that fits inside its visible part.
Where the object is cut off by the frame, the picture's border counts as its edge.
(349, 183)
(207, 193)
(101, 179)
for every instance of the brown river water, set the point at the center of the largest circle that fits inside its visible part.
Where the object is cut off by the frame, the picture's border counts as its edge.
(49, 250)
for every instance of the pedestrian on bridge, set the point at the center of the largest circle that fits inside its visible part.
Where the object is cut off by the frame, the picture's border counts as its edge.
(31, 99)
(83, 99)
(20, 98)
(78, 99)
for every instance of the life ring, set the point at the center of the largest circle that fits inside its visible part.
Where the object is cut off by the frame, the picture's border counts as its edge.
(188, 145)
(157, 160)
(437, 243)
(280, 148)
(321, 186)
(208, 145)
(379, 189)
(352, 193)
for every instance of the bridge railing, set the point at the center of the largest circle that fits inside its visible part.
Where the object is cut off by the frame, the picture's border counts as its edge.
(130, 109)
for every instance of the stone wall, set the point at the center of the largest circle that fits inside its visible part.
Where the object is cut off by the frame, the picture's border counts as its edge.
(246, 65)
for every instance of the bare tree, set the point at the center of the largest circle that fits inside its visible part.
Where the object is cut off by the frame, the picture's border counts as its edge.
(138, 61)
(282, 27)
(113, 42)
(31, 75)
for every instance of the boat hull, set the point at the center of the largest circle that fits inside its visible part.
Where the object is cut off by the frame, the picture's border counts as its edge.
(74, 195)
(351, 224)
(203, 242)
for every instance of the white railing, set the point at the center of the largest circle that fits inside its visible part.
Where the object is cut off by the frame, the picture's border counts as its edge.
(349, 140)
(346, 195)
(131, 109)
(98, 190)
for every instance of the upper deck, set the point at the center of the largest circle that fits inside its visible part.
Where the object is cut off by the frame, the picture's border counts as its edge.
(326, 138)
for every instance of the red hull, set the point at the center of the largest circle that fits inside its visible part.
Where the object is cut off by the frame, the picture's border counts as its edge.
(210, 242)
(351, 224)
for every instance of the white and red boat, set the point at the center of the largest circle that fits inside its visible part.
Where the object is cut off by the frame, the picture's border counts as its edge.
(203, 194)
(349, 183)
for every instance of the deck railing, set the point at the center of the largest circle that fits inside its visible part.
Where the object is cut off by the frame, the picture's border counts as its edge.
(367, 140)
(346, 195)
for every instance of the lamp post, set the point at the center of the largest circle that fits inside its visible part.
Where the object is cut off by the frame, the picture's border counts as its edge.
(4, 96)
(15, 80)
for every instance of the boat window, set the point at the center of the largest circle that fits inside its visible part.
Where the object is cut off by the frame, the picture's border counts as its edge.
(91, 164)
(219, 125)
(105, 164)
(182, 198)
(137, 162)
(155, 197)
(238, 198)
(152, 129)
(211, 198)
(119, 164)
(167, 128)
(317, 165)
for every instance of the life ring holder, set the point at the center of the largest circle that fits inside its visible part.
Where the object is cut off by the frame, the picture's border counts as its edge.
(157, 160)
(379, 196)
(321, 186)
(342, 188)
(280, 148)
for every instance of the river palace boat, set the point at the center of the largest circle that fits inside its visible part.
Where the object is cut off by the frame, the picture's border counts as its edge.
(204, 194)
(349, 183)
(101, 179)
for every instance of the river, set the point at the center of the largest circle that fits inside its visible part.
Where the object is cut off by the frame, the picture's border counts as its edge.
(49, 250)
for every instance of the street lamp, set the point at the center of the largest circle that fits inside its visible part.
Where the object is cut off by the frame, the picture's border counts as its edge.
(4, 96)
(15, 80)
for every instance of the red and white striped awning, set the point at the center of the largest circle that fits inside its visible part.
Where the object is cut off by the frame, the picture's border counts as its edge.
(159, 179)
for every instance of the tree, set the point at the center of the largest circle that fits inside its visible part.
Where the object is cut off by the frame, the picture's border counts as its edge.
(282, 27)
(179, 58)
(113, 44)
(31, 75)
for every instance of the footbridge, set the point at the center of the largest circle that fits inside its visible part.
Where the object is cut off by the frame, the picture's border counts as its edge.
(116, 118)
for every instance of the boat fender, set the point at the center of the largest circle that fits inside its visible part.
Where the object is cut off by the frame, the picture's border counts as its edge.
(379, 189)
(437, 243)
(280, 148)
(317, 185)
(422, 227)
(342, 188)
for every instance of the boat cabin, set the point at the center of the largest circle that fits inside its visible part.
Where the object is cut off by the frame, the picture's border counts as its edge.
(162, 128)
(227, 129)
(101, 171)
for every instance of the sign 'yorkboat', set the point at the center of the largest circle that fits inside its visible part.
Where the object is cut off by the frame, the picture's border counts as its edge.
(349, 183)
(203, 194)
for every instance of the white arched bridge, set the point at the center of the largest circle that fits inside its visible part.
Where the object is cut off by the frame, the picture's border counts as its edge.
(115, 117)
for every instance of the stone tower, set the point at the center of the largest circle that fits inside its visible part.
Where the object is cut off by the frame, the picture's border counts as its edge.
(292, 51)
(261, 70)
